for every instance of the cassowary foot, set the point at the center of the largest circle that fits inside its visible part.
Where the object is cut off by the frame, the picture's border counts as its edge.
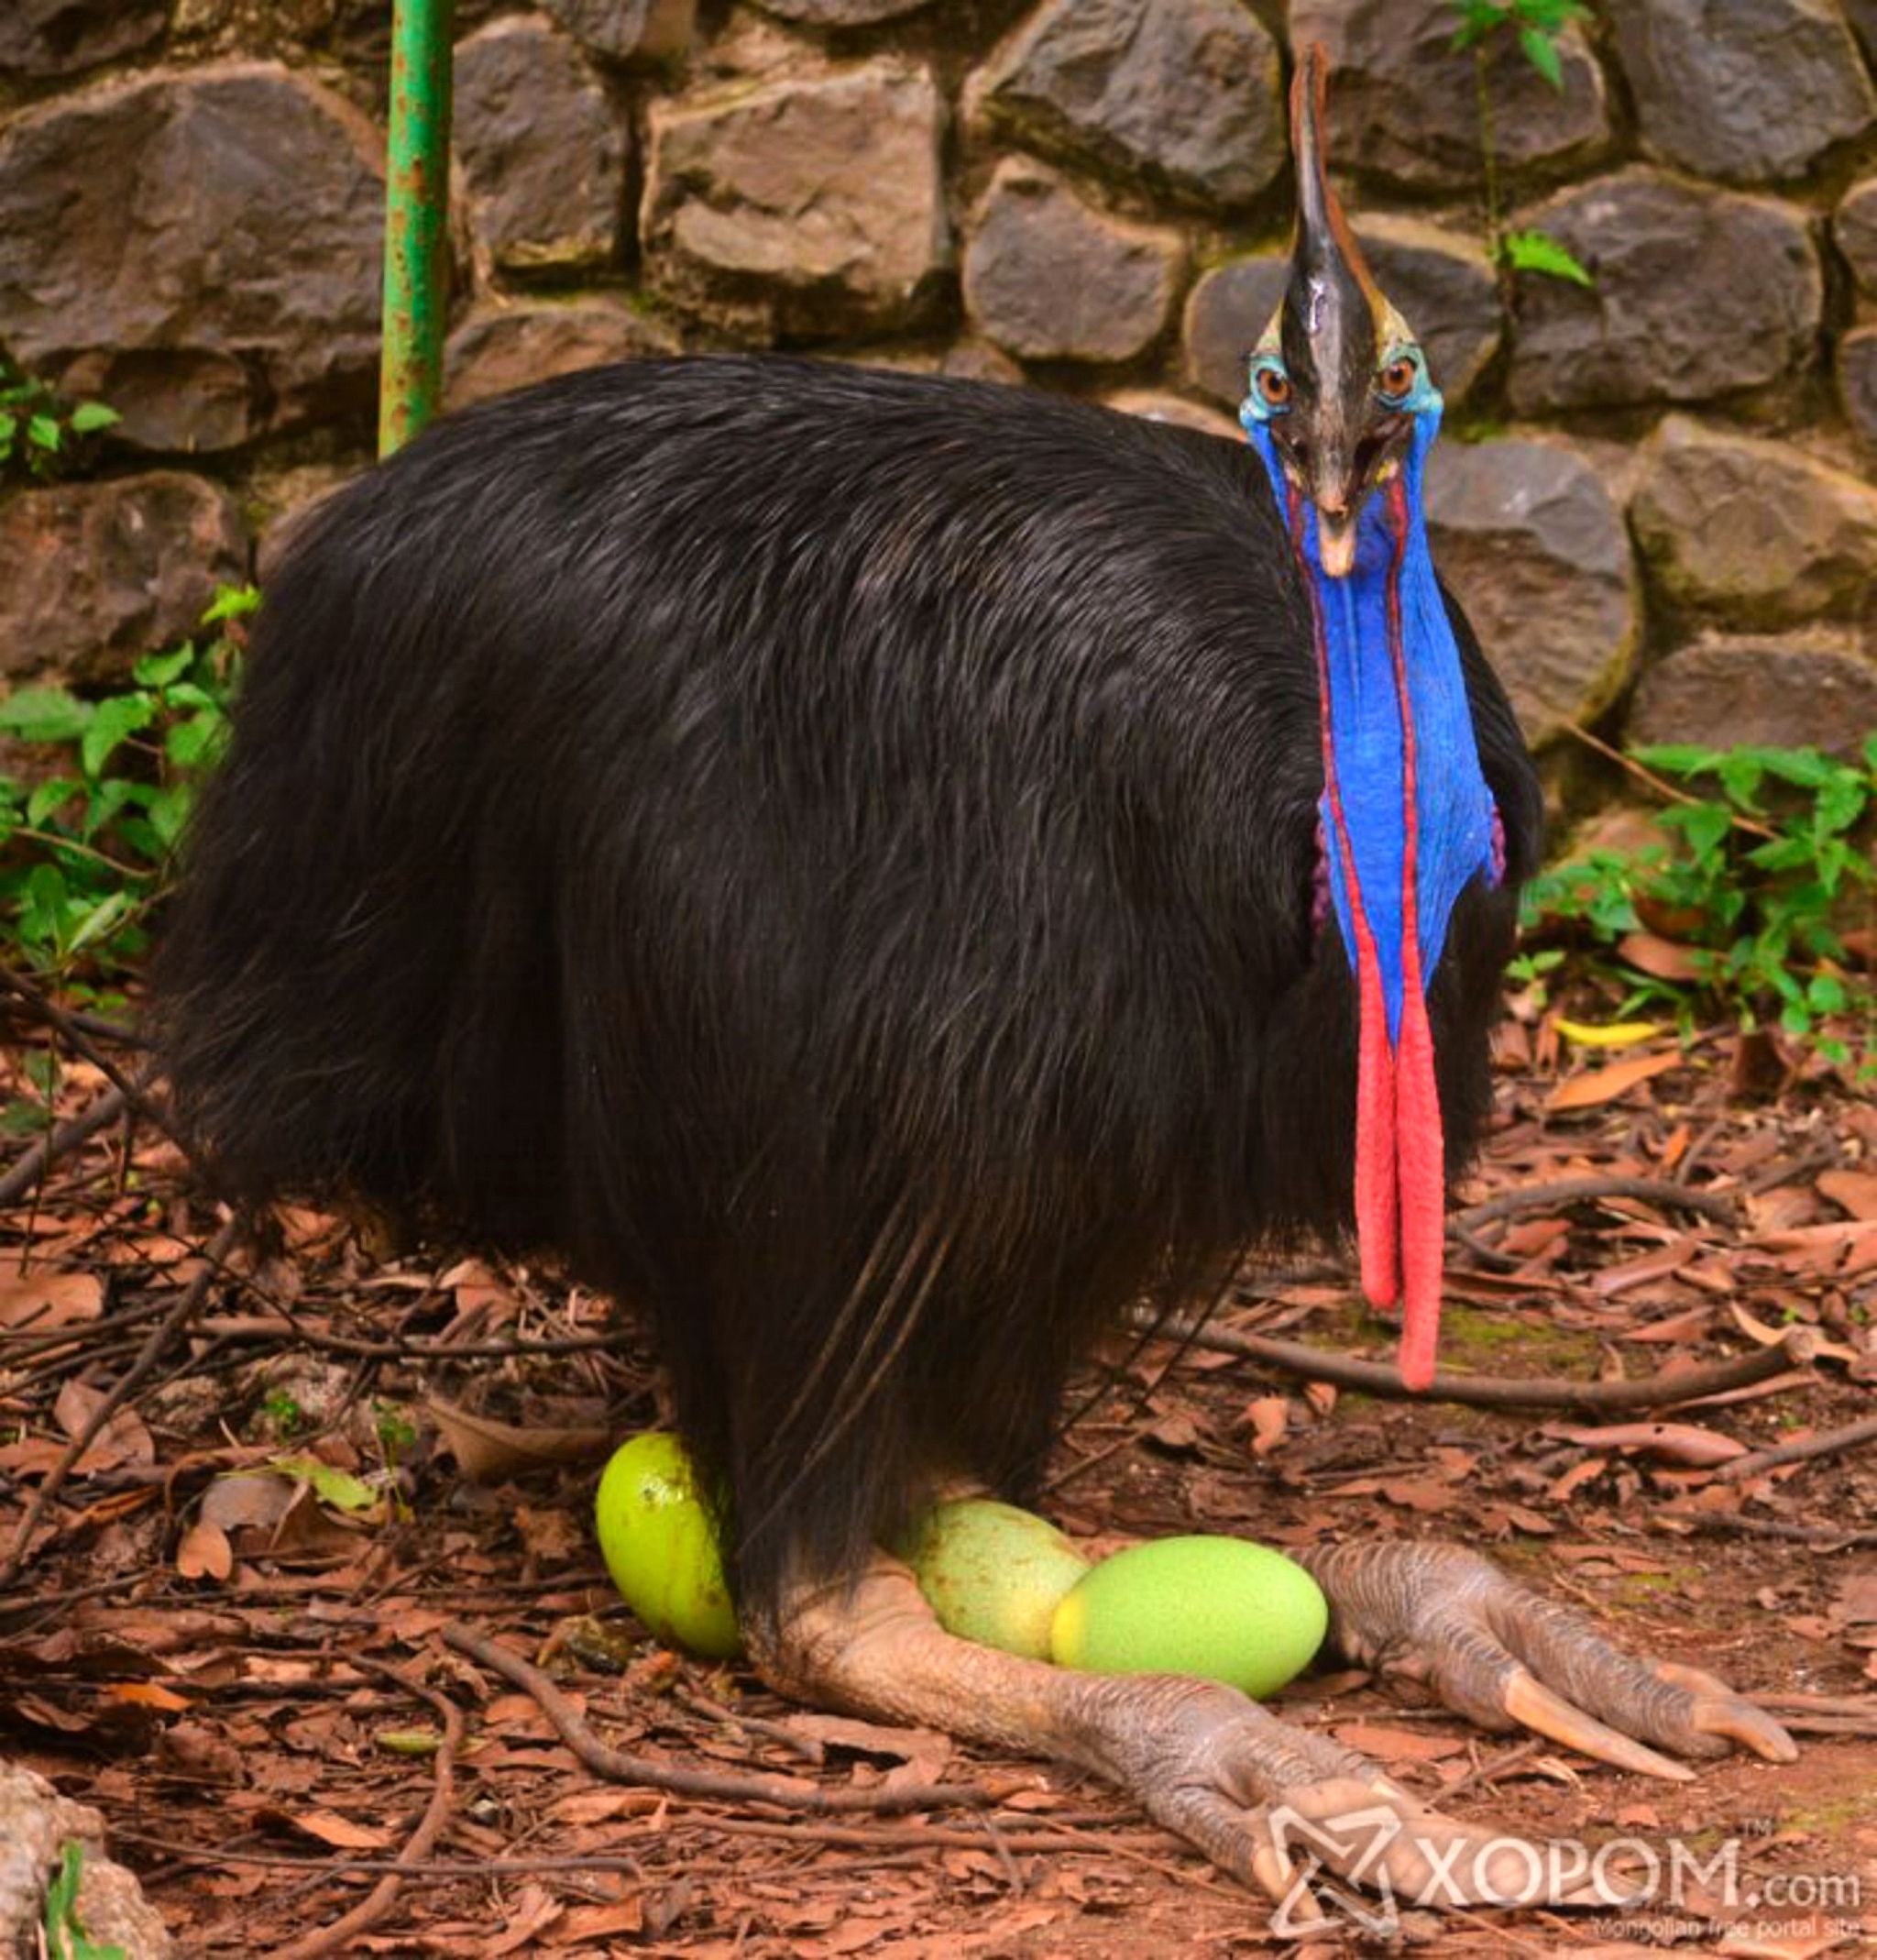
(1272, 1804)
(1506, 1657)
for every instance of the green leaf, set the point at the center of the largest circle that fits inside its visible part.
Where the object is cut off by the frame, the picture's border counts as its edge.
(1841, 801)
(1679, 758)
(113, 722)
(1806, 767)
(65, 1937)
(89, 417)
(1477, 19)
(187, 743)
(1541, 50)
(157, 670)
(1538, 251)
(45, 714)
(338, 1488)
(10, 434)
(44, 433)
(1825, 994)
(231, 602)
(1705, 825)
(1740, 771)
(169, 812)
(49, 797)
(97, 921)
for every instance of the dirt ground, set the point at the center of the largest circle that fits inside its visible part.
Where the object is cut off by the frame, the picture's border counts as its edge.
(226, 1624)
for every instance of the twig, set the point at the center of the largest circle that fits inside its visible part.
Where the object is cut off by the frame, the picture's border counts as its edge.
(1503, 1763)
(619, 1767)
(1666, 790)
(188, 1304)
(1666, 1390)
(1716, 1205)
(1715, 1524)
(1828, 1443)
(881, 1837)
(280, 1327)
(39, 1157)
(54, 1016)
(373, 1907)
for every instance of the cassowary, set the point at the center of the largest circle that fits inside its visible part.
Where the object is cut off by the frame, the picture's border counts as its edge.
(882, 873)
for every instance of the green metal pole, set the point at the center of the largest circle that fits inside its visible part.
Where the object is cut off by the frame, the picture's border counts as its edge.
(417, 210)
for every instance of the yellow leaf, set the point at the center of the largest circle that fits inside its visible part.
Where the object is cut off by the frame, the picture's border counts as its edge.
(1617, 1035)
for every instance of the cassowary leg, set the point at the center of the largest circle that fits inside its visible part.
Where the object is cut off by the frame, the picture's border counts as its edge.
(1505, 1655)
(1201, 1760)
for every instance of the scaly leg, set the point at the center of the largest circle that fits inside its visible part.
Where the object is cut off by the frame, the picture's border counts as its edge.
(1503, 1655)
(1201, 1760)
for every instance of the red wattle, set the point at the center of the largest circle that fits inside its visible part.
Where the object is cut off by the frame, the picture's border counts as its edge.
(1376, 1146)
(1420, 1151)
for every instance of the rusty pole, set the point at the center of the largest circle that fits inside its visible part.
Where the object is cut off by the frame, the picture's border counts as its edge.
(417, 210)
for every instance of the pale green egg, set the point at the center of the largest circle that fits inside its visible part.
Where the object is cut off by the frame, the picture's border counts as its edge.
(1219, 1608)
(993, 1574)
(659, 1542)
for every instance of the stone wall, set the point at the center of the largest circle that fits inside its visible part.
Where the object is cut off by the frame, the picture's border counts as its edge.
(1657, 501)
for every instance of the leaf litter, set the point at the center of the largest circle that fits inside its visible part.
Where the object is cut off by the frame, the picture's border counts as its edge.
(227, 1631)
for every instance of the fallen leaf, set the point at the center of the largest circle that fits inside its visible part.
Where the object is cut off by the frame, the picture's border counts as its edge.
(342, 1834)
(1672, 1442)
(1615, 1034)
(1851, 1191)
(490, 1452)
(1397, 1745)
(1661, 959)
(1604, 1086)
(205, 1552)
(123, 1439)
(43, 1299)
(1269, 1415)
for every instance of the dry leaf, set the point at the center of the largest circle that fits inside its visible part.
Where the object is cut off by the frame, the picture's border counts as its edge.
(342, 1834)
(41, 1299)
(1851, 1191)
(1604, 1086)
(490, 1452)
(123, 1439)
(1671, 1442)
(205, 1552)
(1661, 959)
(1268, 1416)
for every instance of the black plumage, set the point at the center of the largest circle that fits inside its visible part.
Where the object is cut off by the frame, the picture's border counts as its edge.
(835, 854)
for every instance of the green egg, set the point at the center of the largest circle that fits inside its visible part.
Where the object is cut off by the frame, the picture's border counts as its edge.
(1219, 1608)
(993, 1574)
(659, 1542)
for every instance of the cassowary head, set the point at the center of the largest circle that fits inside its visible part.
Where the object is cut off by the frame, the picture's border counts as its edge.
(1338, 381)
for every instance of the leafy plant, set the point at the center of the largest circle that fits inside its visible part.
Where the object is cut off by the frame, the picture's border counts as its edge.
(40, 437)
(1537, 25)
(1745, 909)
(83, 847)
(65, 1937)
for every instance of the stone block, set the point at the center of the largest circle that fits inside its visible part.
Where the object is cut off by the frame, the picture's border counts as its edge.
(811, 206)
(1185, 95)
(1049, 278)
(1699, 293)
(1534, 547)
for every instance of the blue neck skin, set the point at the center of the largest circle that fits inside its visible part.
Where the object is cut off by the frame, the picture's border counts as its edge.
(1453, 829)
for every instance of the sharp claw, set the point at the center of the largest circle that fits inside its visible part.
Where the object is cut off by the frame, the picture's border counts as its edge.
(1718, 1710)
(1528, 1701)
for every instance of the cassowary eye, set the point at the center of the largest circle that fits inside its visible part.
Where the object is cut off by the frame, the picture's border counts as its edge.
(1274, 386)
(1396, 378)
